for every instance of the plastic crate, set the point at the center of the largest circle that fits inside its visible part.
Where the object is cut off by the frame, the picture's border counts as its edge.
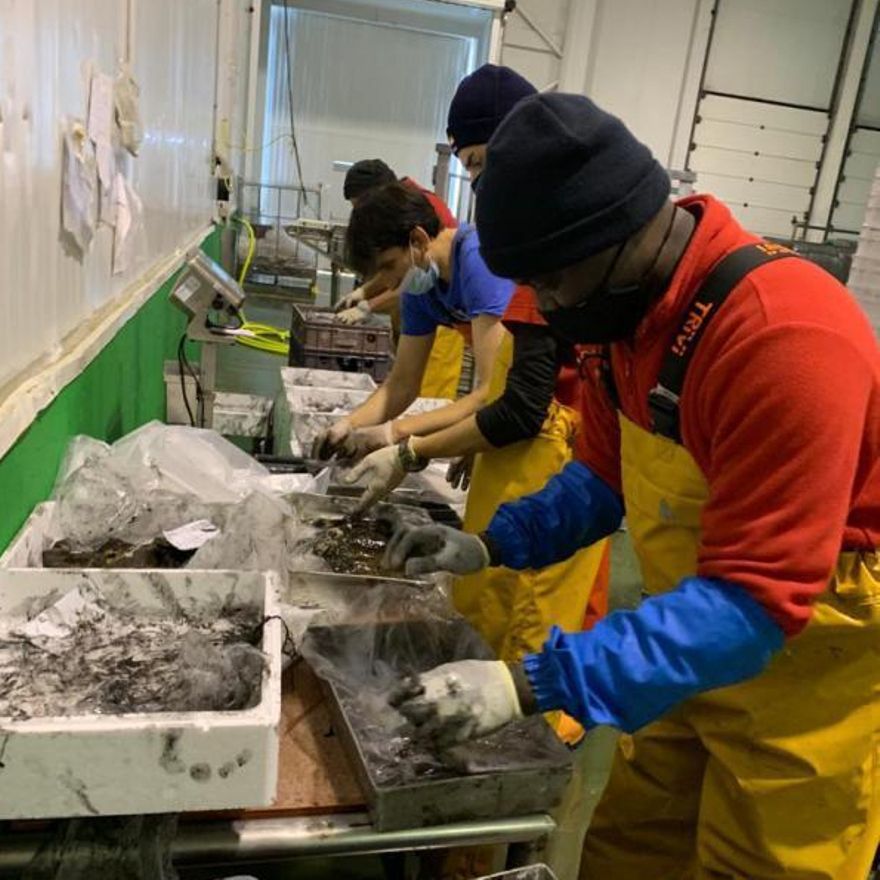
(377, 367)
(317, 331)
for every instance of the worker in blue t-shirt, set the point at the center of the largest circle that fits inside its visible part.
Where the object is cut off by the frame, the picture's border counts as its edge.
(394, 233)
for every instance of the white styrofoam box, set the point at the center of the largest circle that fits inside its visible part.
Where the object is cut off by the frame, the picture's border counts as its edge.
(332, 401)
(300, 414)
(175, 407)
(161, 762)
(241, 415)
(300, 376)
(26, 548)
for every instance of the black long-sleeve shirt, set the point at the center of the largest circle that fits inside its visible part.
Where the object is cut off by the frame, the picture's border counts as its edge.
(521, 410)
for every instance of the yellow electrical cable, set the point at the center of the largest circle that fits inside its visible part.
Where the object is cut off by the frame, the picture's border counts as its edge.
(252, 247)
(272, 340)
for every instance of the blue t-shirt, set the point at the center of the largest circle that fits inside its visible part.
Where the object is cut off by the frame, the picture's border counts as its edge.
(473, 290)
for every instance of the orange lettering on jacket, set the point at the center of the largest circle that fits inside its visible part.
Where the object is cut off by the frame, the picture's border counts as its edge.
(691, 325)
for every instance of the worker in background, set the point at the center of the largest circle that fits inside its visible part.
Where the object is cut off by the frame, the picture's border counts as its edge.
(504, 472)
(739, 426)
(394, 235)
(443, 372)
(523, 434)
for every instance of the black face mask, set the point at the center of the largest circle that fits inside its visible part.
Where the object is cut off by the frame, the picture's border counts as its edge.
(611, 313)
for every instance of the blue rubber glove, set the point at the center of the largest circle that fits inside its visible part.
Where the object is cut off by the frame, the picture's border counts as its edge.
(634, 666)
(573, 510)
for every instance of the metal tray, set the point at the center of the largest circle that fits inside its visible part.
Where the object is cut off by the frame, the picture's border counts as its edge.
(439, 511)
(310, 507)
(521, 769)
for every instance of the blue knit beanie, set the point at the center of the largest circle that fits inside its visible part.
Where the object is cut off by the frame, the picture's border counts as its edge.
(481, 101)
(563, 180)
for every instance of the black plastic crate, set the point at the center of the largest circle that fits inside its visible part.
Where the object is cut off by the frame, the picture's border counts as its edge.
(319, 340)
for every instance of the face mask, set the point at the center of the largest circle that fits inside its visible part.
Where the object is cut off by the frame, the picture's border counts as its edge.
(611, 313)
(419, 281)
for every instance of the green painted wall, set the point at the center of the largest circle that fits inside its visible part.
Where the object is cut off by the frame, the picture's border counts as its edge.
(120, 389)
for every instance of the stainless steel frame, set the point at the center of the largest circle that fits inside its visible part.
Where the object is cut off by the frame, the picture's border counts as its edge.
(338, 834)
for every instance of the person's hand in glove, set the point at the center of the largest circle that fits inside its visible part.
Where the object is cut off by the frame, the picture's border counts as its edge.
(363, 441)
(426, 549)
(355, 314)
(384, 469)
(357, 296)
(328, 443)
(458, 475)
(459, 701)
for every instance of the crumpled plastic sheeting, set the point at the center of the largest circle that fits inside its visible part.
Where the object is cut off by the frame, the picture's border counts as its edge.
(387, 632)
(157, 478)
(258, 534)
(112, 848)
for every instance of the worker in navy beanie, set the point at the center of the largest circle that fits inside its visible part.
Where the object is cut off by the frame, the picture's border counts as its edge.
(481, 101)
(563, 180)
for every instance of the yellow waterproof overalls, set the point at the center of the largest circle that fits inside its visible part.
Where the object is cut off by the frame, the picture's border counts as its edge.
(514, 610)
(777, 777)
(443, 369)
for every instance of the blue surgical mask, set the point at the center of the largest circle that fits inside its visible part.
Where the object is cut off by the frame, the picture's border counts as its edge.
(419, 281)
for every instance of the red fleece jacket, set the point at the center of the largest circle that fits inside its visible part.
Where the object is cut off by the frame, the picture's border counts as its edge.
(780, 410)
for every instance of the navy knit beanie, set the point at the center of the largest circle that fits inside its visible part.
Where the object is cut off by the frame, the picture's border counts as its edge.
(481, 101)
(563, 180)
(366, 175)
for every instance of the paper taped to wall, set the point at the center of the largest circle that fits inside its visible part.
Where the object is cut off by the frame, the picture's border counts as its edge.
(79, 202)
(129, 233)
(100, 125)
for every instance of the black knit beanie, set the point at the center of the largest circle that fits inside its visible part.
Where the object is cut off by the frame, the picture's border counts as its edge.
(563, 180)
(366, 175)
(481, 101)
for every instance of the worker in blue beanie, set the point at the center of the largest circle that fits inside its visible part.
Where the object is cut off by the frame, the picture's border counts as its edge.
(735, 418)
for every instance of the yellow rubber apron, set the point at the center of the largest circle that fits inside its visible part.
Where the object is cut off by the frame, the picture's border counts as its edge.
(514, 610)
(773, 778)
(443, 370)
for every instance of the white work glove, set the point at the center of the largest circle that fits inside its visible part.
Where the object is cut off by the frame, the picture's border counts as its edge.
(328, 443)
(355, 314)
(384, 471)
(425, 549)
(363, 441)
(355, 297)
(459, 472)
(459, 701)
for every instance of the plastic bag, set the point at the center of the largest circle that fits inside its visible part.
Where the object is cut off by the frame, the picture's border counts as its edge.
(157, 478)
(112, 848)
(192, 460)
(256, 535)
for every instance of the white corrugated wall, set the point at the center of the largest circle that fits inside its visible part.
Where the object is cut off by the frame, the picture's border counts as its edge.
(48, 49)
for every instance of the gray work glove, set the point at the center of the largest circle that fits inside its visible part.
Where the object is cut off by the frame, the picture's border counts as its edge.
(459, 472)
(353, 299)
(459, 701)
(425, 549)
(362, 441)
(330, 442)
(384, 472)
(356, 314)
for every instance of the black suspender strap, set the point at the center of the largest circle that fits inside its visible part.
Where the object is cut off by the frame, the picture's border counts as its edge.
(664, 398)
(603, 373)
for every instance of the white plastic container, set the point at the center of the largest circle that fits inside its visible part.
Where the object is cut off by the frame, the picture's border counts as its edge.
(163, 762)
(294, 377)
(302, 413)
